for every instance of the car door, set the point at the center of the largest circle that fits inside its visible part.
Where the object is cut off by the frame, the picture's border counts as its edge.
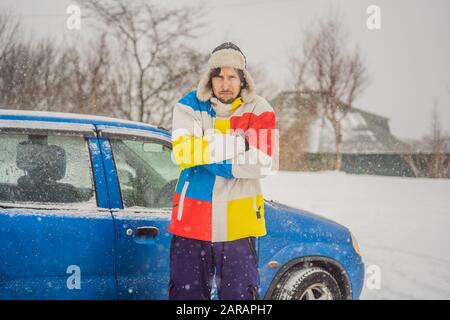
(142, 179)
(56, 242)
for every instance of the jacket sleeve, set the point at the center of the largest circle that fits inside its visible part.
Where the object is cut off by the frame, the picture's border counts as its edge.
(193, 146)
(262, 157)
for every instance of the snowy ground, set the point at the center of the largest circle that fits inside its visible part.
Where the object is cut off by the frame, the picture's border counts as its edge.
(402, 225)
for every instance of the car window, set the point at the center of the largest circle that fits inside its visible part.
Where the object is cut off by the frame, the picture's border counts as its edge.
(147, 175)
(45, 169)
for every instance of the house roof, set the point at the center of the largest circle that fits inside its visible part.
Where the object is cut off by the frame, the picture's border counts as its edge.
(362, 131)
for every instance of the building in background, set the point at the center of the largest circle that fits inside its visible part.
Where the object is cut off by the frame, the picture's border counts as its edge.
(307, 141)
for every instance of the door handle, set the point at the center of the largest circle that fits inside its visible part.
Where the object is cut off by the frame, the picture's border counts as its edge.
(147, 232)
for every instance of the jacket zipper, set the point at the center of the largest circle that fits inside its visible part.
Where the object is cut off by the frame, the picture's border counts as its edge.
(181, 203)
(258, 210)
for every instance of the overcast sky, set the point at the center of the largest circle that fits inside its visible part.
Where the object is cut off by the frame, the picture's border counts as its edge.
(408, 59)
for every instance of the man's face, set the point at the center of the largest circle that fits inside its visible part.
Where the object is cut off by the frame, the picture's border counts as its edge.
(227, 85)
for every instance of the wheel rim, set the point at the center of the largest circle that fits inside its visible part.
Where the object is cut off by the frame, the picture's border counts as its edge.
(317, 291)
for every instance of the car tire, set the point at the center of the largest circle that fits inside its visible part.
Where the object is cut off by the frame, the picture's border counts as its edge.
(311, 283)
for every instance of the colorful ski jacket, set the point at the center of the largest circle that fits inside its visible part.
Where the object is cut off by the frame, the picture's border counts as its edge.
(218, 196)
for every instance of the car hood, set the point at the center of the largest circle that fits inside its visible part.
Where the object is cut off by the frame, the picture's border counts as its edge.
(287, 219)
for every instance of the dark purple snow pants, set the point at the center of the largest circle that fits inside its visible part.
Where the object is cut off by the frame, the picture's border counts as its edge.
(193, 263)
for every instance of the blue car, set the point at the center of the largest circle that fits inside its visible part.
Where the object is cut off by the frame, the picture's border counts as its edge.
(85, 204)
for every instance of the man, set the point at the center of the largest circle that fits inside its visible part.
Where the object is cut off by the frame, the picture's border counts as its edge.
(224, 140)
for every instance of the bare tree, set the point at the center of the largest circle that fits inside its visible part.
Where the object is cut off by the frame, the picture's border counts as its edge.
(438, 144)
(96, 63)
(92, 82)
(264, 85)
(296, 135)
(38, 75)
(154, 65)
(295, 112)
(330, 73)
(430, 156)
(24, 67)
(9, 31)
(29, 73)
(136, 68)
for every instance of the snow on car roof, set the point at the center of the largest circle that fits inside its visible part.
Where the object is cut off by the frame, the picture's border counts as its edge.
(8, 114)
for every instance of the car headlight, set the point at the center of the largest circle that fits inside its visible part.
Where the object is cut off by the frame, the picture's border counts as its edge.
(355, 244)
